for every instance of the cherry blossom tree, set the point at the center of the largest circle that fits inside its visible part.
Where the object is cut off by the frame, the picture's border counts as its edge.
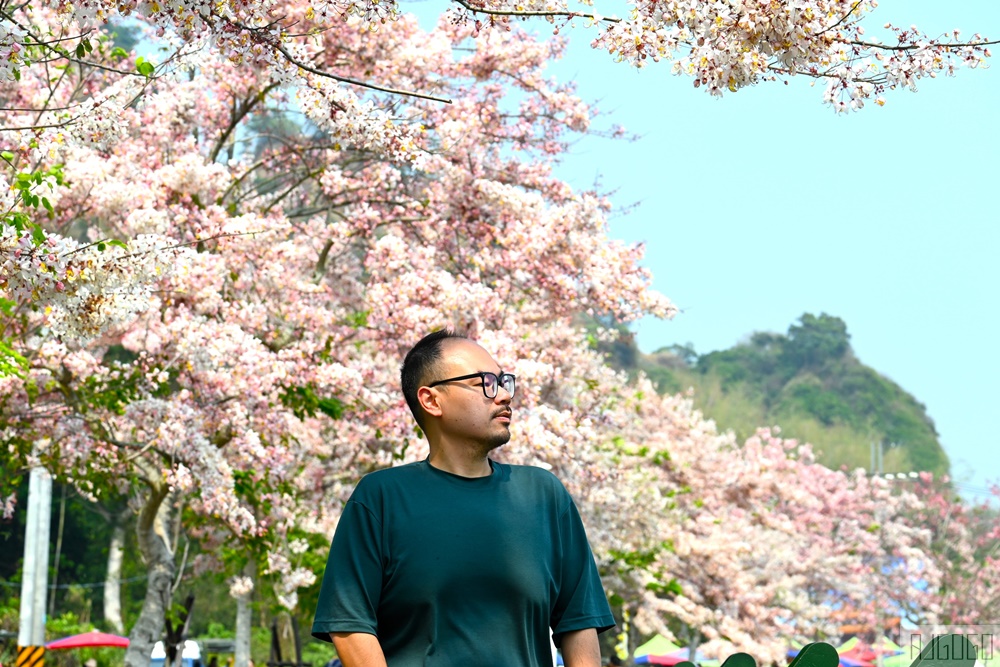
(745, 546)
(965, 549)
(240, 395)
(725, 46)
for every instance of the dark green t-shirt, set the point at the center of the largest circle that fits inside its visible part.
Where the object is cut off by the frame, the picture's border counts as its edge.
(452, 571)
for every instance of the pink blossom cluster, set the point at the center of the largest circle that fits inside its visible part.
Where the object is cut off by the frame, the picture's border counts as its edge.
(240, 586)
(11, 40)
(85, 289)
(726, 46)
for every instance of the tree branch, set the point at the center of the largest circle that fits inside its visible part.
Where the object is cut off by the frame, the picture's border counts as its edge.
(914, 47)
(842, 19)
(514, 12)
(239, 113)
(37, 127)
(354, 82)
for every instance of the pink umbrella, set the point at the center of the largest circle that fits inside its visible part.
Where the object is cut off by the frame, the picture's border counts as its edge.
(88, 640)
(668, 660)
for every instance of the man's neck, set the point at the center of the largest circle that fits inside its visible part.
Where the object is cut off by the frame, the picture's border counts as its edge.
(461, 463)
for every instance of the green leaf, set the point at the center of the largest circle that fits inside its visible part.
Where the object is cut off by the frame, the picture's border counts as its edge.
(119, 53)
(80, 50)
(661, 457)
(331, 407)
(359, 319)
(47, 204)
(31, 390)
(37, 235)
(101, 246)
(18, 221)
(7, 155)
(303, 402)
(118, 244)
(11, 363)
(144, 67)
(88, 47)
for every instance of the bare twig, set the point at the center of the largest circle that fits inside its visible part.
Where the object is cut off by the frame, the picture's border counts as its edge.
(239, 113)
(171, 247)
(355, 82)
(842, 19)
(914, 47)
(515, 12)
(37, 127)
(25, 110)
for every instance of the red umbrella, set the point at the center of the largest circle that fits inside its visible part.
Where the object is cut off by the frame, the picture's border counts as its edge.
(864, 655)
(89, 639)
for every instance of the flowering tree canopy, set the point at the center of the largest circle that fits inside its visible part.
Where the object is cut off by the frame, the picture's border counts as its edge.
(211, 265)
(207, 296)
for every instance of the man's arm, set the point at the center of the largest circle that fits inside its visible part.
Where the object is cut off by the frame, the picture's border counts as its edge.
(360, 649)
(580, 648)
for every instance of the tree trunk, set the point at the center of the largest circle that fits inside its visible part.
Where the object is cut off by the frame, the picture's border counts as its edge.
(154, 544)
(243, 623)
(695, 638)
(113, 579)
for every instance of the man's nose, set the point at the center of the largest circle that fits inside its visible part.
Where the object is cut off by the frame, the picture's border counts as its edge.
(503, 396)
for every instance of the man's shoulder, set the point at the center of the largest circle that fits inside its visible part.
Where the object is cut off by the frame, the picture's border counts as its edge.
(534, 475)
(385, 485)
(393, 475)
(529, 470)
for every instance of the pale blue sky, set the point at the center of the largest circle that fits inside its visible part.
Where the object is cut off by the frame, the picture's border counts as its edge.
(766, 204)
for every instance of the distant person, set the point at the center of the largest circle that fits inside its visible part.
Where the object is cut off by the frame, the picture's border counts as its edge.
(457, 560)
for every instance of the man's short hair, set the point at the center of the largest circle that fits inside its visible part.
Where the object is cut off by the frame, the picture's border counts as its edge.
(418, 363)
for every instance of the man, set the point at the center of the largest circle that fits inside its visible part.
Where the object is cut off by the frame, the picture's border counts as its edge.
(457, 560)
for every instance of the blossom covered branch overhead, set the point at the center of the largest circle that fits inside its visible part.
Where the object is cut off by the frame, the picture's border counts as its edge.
(727, 45)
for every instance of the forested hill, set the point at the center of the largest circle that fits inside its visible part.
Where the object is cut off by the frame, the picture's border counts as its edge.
(808, 382)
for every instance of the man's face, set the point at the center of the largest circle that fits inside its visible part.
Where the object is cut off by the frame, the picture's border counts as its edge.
(467, 414)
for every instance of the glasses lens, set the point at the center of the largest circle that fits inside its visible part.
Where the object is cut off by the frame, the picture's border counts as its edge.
(507, 380)
(490, 385)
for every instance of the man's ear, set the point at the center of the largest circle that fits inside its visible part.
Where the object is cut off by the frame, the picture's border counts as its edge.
(428, 399)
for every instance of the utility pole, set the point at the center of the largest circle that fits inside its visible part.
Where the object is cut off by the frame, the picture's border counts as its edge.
(878, 465)
(879, 518)
(34, 582)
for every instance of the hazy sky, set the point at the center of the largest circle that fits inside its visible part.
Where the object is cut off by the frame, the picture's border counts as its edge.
(765, 204)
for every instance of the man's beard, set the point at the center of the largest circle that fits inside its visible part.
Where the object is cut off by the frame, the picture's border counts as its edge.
(496, 441)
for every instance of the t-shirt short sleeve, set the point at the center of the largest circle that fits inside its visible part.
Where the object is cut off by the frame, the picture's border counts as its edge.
(581, 602)
(352, 582)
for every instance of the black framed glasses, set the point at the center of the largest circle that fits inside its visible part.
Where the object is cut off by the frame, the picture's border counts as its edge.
(491, 382)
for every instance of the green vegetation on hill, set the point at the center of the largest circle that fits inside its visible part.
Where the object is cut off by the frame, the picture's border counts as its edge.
(809, 383)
